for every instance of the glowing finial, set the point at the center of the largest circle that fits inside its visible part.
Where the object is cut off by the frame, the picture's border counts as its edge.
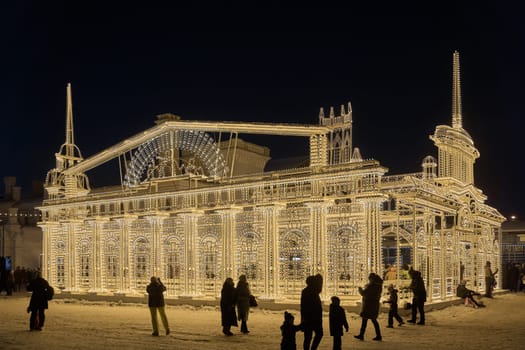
(321, 115)
(456, 94)
(343, 112)
(332, 114)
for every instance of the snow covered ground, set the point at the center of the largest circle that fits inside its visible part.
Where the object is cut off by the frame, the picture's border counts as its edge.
(73, 324)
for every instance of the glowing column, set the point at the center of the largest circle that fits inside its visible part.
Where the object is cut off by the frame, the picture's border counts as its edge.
(156, 244)
(318, 150)
(46, 244)
(124, 254)
(70, 265)
(228, 242)
(96, 263)
(319, 240)
(271, 251)
(372, 234)
(190, 221)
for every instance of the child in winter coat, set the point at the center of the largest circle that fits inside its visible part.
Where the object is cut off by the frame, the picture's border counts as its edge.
(393, 312)
(288, 330)
(337, 318)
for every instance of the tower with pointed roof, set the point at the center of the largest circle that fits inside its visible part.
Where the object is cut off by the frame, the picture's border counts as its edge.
(456, 150)
(58, 184)
(340, 138)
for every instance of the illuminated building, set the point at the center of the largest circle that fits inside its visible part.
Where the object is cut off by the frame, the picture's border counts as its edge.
(195, 206)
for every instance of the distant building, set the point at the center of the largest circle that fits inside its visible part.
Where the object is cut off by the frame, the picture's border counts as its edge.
(197, 204)
(21, 238)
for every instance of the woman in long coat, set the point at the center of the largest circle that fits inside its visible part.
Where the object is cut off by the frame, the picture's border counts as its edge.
(228, 302)
(243, 303)
(370, 309)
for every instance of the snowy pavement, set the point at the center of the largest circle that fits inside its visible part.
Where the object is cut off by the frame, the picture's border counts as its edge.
(74, 324)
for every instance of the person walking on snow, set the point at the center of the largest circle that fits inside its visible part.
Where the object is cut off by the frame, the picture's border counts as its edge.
(393, 311)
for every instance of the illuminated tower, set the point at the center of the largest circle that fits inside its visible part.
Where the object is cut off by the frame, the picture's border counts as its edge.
(57, 184)
(456, 150)
(340, 138)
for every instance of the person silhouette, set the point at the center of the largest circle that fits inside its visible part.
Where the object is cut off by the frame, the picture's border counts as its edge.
(370, 308)
(419, 298)
(228, 302)
(38, 302)
(393, 311)
(312, 312)
(156, 304)
(288, 331)
(337, 318)
(243, 303)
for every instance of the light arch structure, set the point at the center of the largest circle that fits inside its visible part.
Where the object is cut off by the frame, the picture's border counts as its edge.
(197, 142)
(194, 131)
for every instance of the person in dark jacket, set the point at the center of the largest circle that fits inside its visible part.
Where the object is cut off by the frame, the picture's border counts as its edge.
(243, 303)
(463, 292)
(419, 298)
(312, 312)
(156, 303)
(393, 311)
(38, 302)
(490, 280)
(228, 302)
(370, 307)
(337, 318)
(288, 331)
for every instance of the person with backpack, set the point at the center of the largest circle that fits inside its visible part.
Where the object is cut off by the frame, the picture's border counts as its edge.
(42, 292)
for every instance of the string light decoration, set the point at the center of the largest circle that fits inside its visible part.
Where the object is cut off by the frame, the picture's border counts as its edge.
(157, 155)
(183, 215)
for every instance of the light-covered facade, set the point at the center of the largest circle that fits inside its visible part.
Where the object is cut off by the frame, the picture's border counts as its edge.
(196, 206)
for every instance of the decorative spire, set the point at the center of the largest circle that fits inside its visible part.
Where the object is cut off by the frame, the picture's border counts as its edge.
(456, 93)
(70, 137)
(58, 184)
(343, 112)
(350, 110)
(332, 113)
(69, 154)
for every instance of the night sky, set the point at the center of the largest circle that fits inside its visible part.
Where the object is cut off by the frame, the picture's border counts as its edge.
(274, 64)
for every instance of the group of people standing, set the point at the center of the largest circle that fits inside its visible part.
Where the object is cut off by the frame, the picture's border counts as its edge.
(312, 312)
(312, 318)
(514, 276)
(235, 305)
(17, 280)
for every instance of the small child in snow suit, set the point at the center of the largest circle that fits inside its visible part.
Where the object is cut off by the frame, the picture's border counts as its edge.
(393, 313)
(337, 318)
(288, 330)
